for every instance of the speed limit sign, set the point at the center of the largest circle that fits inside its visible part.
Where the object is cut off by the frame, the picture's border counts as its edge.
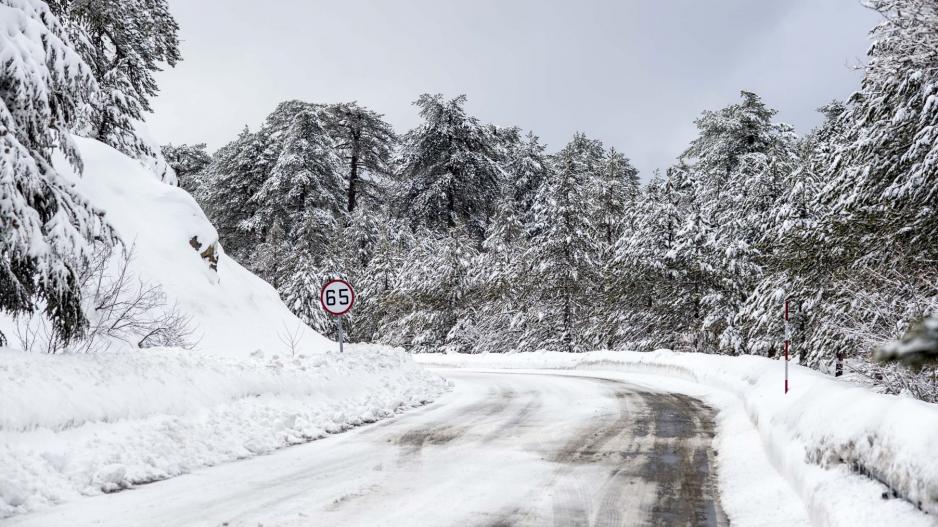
(337, 297)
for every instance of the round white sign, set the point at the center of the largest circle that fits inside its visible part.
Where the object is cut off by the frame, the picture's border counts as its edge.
(337, 297)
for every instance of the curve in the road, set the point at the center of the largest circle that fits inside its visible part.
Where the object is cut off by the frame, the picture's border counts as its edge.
(501, 449)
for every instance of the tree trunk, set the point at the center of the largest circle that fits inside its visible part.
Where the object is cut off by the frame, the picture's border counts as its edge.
(353, 178)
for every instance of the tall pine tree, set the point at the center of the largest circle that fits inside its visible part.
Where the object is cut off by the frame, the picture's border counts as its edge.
(46, 227)
(449, 168)
(125, 42)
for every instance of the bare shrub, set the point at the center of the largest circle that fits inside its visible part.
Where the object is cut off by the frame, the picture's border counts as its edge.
(120, 308)
(895, 379)
(290, 339)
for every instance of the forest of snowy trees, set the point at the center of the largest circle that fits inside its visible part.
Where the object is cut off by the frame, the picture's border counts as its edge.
(466, 236)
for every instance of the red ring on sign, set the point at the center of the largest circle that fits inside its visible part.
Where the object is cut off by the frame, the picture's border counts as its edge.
(322, 297)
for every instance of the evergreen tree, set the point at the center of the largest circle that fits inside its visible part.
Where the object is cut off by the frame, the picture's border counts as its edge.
(304, 188)
(738, 165)
(875, 275)
(46, 226)
(365, 142)
(379, 305)
(187, 161)
(562, 259)
(449, 172)
(124, 42)
(649, 302)
(791, 239)
(304, 194)
(236, 173)
(617, 187)
(430, 291)
(526, 168)
(496, 318)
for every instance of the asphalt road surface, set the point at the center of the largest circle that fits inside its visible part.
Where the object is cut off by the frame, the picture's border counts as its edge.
(501, 449)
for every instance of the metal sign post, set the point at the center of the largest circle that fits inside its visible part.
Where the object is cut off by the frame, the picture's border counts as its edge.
(337, 297)
(338, 321)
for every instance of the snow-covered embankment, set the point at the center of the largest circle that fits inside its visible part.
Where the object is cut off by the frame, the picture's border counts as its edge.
(86, 424)
(830, 440)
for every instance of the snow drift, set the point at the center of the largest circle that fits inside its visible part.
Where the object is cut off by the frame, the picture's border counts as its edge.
(826, 437)
(85, 424)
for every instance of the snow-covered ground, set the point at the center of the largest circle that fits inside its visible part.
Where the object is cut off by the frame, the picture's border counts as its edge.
(87, 424)
(841, 448)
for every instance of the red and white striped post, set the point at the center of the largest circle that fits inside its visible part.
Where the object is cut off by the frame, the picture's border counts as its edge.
(787, 343)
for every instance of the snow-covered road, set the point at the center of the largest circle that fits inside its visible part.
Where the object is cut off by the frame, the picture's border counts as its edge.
(500, 449)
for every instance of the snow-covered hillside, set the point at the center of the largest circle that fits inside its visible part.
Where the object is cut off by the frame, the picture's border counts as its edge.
(89, 423)
(233, 312)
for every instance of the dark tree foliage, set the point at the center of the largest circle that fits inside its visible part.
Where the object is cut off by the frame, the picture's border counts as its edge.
(365, 142)
(449, 170)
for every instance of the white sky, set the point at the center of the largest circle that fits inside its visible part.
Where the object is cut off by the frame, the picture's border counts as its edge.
(634, 74)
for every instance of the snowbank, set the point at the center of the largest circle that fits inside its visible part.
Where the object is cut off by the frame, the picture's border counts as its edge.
(86, 424)
(824, 436)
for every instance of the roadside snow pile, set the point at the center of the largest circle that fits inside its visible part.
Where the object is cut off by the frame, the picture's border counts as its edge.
(824, 436)
(86, 424)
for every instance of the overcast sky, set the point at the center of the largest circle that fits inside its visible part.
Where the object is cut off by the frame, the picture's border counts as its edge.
(634, 74)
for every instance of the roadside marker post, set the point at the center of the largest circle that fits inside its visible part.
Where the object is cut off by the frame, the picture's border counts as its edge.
(787, 344)
(337, 298)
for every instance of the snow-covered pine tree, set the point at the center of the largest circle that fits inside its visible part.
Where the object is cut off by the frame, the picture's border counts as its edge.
(187, 161)
(304, 193)
(689, 256)
(617, 187)
(735, 166)
(46, 227)
(429, 292)
(365, 141)
(562, 259)
(236, 173)
(876, 274)
(796, 269)
(304, 190)
(124, 42)
(379, 304)
(526, 167)
(648, 306)
(449, 168)
(886, 172)
(495, 318)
